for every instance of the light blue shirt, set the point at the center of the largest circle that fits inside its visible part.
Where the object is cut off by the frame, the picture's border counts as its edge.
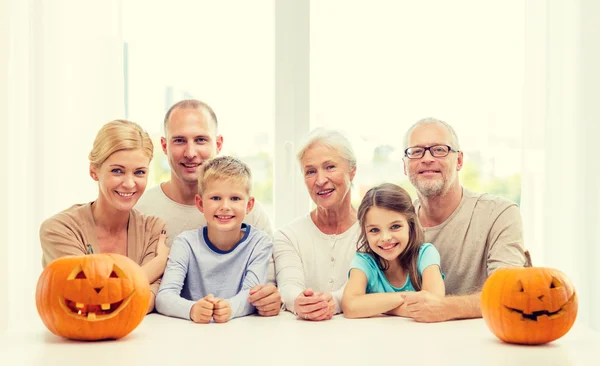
(196, 268)
(376, 280)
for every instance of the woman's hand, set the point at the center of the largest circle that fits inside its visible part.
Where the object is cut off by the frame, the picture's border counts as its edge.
(162, 250)
(314, 306)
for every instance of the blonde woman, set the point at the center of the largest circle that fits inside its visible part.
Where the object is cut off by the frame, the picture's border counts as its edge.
(119, 162)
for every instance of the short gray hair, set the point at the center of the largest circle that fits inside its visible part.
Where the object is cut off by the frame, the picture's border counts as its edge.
(431, 120)
(329, 138)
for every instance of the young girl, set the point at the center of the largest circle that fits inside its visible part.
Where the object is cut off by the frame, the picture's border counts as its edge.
(391, 257)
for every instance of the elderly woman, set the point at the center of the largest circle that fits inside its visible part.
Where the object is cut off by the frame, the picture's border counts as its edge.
(313, 253)
(119, 162)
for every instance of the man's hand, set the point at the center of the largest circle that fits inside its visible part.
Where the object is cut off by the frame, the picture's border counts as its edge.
(222, 311)
(202, 311)
(425, 307)
(266, 299)
(310, 306)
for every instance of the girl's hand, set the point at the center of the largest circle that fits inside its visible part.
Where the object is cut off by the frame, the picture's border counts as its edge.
(401, 309)
(311, 306)
(162, 250)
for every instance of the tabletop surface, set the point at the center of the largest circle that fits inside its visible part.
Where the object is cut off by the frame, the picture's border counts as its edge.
(286, 340)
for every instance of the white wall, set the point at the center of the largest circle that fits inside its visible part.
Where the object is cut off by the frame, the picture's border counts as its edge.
(66, 80)
(4, 276)
(560, 135)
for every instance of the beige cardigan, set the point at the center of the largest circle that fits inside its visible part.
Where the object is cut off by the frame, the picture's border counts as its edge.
(68, 233)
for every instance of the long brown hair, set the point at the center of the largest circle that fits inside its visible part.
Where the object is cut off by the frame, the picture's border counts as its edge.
(394, 198)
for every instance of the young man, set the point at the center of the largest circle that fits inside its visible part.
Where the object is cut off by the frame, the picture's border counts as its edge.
(475, 233)
(211, 270)
(191, 137)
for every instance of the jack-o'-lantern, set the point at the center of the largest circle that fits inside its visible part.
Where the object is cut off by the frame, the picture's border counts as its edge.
(530, 305)
(92, 297)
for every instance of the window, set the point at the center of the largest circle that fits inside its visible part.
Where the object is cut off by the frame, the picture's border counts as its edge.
(208, 51)
(377, 67)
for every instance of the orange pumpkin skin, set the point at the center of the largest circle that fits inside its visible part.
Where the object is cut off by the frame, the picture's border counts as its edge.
(530, 305)
(92, 297)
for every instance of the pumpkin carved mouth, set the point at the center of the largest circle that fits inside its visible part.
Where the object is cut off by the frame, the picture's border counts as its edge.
(94, 312)
(534, 315)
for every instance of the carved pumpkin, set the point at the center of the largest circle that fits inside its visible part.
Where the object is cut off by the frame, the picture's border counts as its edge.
(528, 305)
(92, 297)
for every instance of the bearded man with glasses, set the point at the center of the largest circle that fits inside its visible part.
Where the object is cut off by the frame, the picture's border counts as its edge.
(475, 233)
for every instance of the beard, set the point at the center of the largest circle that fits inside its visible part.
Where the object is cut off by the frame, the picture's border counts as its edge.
(429, 187)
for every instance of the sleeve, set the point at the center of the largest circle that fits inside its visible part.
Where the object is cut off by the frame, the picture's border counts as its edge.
(58, 239)
(168, 300)
(359, 262)
(256, 274)
(428, 256)
(505, 241)
(288, 269)
(154, 226)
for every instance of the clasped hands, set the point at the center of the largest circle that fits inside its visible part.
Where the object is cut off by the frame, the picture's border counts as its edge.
(422, 306)
(210, 307)
(316, 306)
(266, 299)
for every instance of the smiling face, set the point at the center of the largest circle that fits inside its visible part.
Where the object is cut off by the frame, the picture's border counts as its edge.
(429, 175)
(92, 297)
(529, 305)
(387, 232)
(191, 138)
(225, 203)
(122, 178)
(327, 176)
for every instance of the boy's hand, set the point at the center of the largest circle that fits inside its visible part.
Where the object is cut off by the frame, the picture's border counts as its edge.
(266, 299)
(202, 311)
(222, 311)
(162, 250)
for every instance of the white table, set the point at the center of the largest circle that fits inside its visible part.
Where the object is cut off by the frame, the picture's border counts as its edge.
(285, 340)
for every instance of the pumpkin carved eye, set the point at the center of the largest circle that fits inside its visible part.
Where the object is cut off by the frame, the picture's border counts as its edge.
(117, 272)
(555, 283)
(519, 286)
(77, 273)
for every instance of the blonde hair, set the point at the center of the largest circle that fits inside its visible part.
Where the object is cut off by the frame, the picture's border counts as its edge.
(227, 168)
(119, 135)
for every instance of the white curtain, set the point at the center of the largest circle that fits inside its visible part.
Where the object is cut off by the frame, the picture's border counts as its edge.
(4, 274)
(65, 80)
(561, 194)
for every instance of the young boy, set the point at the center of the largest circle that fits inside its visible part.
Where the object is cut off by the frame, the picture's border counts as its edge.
(211, 269)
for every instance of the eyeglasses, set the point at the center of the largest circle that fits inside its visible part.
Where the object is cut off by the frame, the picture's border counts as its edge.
(437, 151)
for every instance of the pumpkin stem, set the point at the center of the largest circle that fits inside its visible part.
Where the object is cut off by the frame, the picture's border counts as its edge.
(89, 249)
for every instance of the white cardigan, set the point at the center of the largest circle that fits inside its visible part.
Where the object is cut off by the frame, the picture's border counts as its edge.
(307, 258)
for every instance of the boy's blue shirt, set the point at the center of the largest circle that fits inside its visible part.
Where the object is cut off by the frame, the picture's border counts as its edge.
(376, 280)
(196, 268)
